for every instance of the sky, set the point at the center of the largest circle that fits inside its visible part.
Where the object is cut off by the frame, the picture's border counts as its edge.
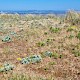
(39, 4)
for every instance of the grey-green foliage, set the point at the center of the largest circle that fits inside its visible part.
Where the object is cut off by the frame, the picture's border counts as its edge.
(6, 67)
(6, 39)
(31, 59)
(25, 60)
(35, 58)
(51, 54)
(48, 53)
(13, 33)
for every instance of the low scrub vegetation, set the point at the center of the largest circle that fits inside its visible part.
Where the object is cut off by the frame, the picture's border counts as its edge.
(54, 30)
(41, 47)
(78, 35)
(73, 17)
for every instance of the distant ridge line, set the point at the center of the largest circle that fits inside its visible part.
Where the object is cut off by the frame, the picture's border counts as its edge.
(35, 11)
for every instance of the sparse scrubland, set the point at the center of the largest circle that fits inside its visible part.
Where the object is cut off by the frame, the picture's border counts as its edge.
(40, 47)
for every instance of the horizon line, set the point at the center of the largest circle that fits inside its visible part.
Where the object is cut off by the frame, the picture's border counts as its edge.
(40, 10)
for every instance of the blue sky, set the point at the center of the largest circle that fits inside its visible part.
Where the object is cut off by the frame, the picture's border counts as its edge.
(39, 4)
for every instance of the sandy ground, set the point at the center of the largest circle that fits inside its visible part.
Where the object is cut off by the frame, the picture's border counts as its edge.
(29, 30)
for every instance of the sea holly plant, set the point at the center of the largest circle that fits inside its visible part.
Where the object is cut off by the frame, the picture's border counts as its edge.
(35, 58)
(13, 33)
(6, 67)
(48, 53)
(31, 59)
(6, 39)
(25, 60)
(51, 54)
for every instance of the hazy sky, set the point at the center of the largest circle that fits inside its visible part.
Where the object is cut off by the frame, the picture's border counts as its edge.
(39, 4)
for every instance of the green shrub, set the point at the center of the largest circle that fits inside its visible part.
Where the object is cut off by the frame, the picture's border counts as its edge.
(45, 33)
(40, 44)
(78, 35)
(72, 28)
(76, 53)
(54, 30)
(49, 40)
(72, 17)
(71, 36)
(55, 55)
(69, 29)
(52, 63)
